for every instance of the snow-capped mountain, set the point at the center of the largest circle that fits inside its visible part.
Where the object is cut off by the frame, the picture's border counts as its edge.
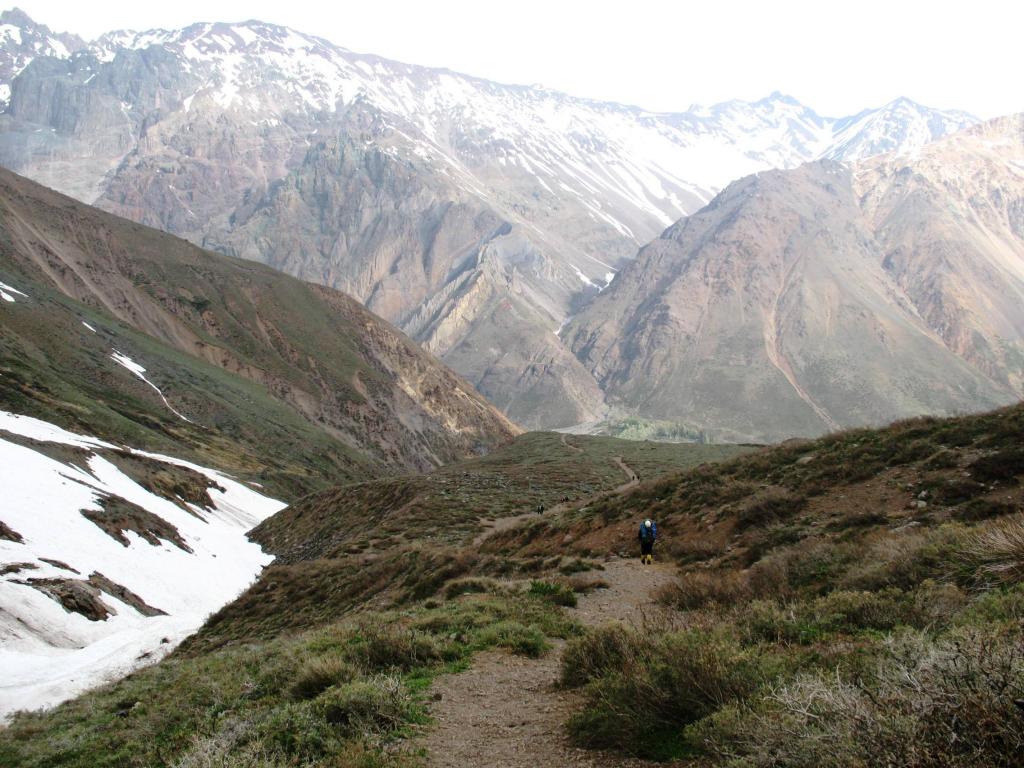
(22, 40)
(900, 127)
(133, 552)
(476, 216)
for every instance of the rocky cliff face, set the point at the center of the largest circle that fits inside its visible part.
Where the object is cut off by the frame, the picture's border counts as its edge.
(476, 216)
(823, 297)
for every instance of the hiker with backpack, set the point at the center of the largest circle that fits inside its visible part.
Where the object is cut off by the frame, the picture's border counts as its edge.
(647, 535)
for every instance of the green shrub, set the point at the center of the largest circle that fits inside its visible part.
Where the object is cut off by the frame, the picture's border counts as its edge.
(468, 586)
(954, 702)
(983, 509)
(557, 593)
(600, 651)
(319, 673)
(769, 507)
(661, 683)
(951, 492)
(577, 565)
(998, 606)
(514, 636)
(378, 646)
(1003, 466)
(944, 459)
(377, 705)
(697, 589)
(906, 559)
(297, 732)
(997, 553)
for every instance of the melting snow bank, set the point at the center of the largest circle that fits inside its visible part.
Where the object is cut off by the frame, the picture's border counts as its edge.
(98, 574)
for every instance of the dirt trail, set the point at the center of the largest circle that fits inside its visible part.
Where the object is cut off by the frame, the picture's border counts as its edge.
(570, 446)
(506, 711)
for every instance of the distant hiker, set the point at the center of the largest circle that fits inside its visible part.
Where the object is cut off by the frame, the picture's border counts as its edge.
(647, 536)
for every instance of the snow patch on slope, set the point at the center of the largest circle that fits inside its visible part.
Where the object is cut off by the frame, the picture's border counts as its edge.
(48, 654)
(138, 370)
(6, 293)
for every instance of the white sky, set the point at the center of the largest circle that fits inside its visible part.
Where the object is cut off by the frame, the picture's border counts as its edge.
(838, 58)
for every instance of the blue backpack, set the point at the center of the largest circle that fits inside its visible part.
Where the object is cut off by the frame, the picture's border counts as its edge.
(649, 534)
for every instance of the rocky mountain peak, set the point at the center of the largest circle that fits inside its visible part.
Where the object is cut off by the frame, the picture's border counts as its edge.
(22, 40)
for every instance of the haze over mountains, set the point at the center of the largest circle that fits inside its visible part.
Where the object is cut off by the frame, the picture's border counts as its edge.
(478, 217)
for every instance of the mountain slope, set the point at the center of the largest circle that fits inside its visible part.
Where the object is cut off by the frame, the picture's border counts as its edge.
(434, 197)
(951, 221)
(301, 378)
(818, 298)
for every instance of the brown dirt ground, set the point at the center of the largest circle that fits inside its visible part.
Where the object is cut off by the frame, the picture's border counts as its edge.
(507, 711)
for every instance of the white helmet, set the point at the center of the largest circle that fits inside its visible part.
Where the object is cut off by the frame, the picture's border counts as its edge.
(647, 523)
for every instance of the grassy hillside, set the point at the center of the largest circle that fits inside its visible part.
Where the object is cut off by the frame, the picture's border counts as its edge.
(402, 539)
(851, 601)
(292, 378)
(305, 669)
(54, 368)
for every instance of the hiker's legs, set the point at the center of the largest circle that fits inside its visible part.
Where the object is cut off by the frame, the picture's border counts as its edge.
(645, 551)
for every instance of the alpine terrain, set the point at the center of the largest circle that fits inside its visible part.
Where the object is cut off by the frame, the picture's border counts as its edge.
(155, 402)
(477, 217)
(316, 374)
(831, 295)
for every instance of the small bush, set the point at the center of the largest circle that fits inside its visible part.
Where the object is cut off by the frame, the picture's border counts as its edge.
(997, 553)
(914, 450)
(379, 647)
(983, 509)
(660, 684)
(377, 705)
(952, 703)
(693, 551)
(859, 519)
(468, 587)
(318, 674)
(1002, 466)
(997, 606)
(599, 652)
(698, 589)
(953, 492)
(296, 731)
(577, 565)
(514, 636)
(771, 506)
(906, 559)
(944, 459)
(582, 585)
(557, 593)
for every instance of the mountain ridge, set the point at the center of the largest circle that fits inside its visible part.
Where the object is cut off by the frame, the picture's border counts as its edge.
(827, 296)
(335, 382)
(217, 131)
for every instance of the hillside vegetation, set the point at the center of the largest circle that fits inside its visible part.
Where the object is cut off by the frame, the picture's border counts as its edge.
(850, 601)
